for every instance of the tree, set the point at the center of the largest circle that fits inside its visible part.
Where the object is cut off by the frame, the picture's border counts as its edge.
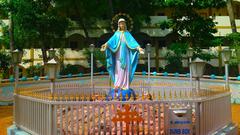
(234, 40)
(86, 13)
(4, 38)
(83, 12)
(5, 60)
(175, 56)
(6, 12)
(37, 24)
(139, 10)
(186, 20)
(186, 23)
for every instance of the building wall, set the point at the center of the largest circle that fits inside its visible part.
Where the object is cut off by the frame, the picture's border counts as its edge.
(77, 57)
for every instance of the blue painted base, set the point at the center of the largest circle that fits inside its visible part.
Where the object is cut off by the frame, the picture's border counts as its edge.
(13, 130)
(4, 103)
(117, 92)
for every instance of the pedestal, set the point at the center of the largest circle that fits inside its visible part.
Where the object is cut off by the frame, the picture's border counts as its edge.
(117, 93)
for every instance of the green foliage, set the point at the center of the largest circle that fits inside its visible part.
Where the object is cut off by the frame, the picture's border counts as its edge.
(83, 12)
(204, 56)
(98, 56)
(166, 24)
(72, 69)
(216, 41)
(233, 62)
(174, 63)
(186, 21)
(198, 53)
(139, 10)
(87, 13)
(234, 40)
(176, 53)
(198, 29)
(61, 52)
(36, 24)
(4, 37)
(4, 9)
(175, 56)
(179, 48)
(5, 60)
(36, 21)
(42, 23)
(196, 4)
(35, 71)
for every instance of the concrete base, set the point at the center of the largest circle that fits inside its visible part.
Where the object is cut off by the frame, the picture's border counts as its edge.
(231, 129)
(13, 130)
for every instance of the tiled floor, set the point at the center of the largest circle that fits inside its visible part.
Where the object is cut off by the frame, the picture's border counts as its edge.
(6, 117)
(236, 115)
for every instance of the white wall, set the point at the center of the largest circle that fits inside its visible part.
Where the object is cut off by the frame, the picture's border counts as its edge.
(223, 25)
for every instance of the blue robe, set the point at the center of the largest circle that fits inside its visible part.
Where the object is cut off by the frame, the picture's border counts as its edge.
(113, 46)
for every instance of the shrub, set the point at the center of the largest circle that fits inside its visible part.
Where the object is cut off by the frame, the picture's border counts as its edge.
(72, 69)
(35, 70)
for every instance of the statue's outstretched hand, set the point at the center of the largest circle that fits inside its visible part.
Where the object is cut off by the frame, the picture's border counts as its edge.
(141, 51)
(103, 47)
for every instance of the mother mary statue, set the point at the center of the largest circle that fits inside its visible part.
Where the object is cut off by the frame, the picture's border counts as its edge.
(122, 52)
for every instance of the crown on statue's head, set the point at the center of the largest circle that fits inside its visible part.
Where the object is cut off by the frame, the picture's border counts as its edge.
(121, 20)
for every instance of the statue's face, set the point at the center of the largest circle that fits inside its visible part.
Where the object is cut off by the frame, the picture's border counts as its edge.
(122, 25)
